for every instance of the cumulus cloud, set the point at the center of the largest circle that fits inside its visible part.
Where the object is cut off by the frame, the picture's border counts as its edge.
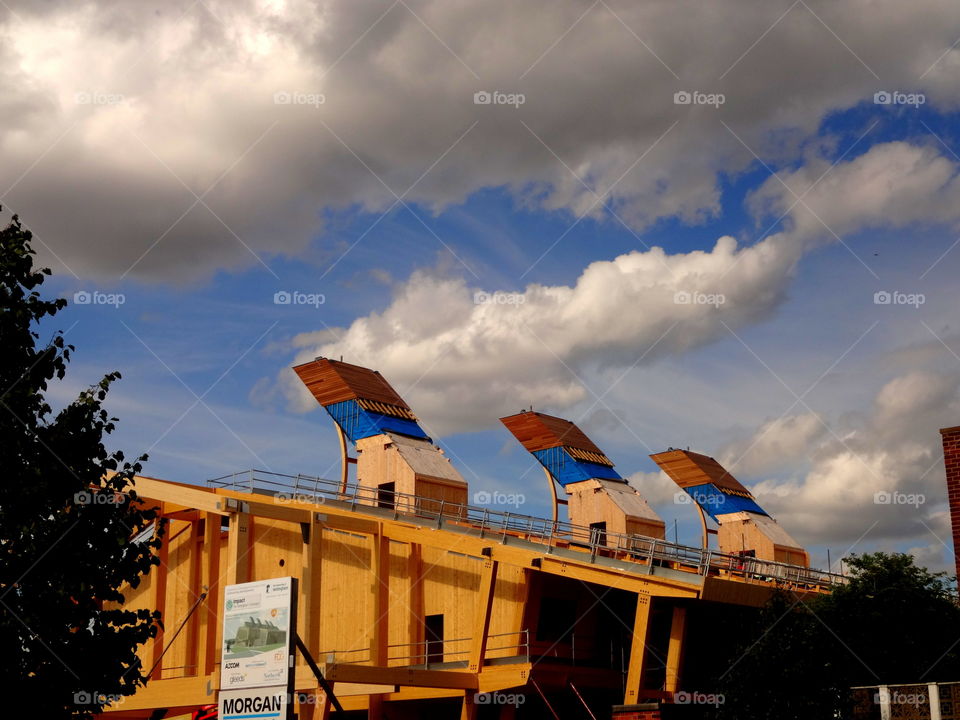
(115, 116)
(885, 476)
(464, 357)
(778, 443)
(893, 184)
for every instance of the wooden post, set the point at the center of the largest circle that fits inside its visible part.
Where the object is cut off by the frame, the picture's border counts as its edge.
(481, 617)
(380, 622)
(468, 711)
(160, 600)
(637, 649)
(310, 579)
(191, 632)
(416, 629)
(209, 620)
(238, 548)
(675, 649)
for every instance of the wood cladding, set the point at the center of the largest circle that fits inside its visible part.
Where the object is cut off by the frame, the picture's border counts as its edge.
(537, 431)
(688, 469)
(333, 381)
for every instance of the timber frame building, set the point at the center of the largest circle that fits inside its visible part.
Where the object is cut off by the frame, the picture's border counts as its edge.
(416, 604)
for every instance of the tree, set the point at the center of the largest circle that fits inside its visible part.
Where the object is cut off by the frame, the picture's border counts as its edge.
(893, 622)
(69, 517)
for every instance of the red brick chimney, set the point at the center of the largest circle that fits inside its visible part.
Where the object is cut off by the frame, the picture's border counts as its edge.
(951, 459)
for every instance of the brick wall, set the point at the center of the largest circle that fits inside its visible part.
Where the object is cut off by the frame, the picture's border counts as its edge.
(951, 458)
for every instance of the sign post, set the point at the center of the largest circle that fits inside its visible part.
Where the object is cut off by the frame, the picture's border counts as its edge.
(257, 662)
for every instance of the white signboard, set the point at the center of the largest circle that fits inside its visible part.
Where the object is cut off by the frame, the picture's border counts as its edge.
(259, 622)
(268, 703)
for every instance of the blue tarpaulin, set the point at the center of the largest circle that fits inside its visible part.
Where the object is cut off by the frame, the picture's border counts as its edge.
(715, 501)
(358, 423)
(566, 469)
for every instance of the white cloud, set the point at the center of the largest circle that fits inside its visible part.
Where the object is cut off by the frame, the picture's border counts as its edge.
(778, 443)
(196, 85)
(894, 184)
(463, 363)
(894, 450)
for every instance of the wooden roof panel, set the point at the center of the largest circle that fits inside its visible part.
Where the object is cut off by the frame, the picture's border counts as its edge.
(333, 381)
(688, 469)
(537, 431)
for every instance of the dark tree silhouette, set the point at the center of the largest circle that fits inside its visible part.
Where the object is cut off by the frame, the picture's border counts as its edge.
(69, 517)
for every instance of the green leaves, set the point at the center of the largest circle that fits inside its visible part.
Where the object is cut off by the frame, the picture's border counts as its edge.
(894, 622)
(67, 515)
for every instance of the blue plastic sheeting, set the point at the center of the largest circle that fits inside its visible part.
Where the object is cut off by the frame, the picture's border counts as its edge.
(358, 423)
(567, 469)
(715, 501)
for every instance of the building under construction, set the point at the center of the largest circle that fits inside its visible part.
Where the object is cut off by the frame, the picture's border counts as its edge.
(414, 603)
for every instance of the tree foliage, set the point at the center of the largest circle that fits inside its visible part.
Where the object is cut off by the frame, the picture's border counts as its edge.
(68, 517)
(893, 622)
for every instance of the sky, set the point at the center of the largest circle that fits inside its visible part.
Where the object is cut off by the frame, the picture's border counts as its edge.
(730, 226)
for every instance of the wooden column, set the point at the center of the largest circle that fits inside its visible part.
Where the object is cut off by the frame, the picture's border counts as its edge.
(416, 625)
(380, 621)
(310, 577)
(160, 598)
(468, 711)
(192, 630)
(675, 649)
(637, 647)
(238, 549)
(209, 620)
(481, 617)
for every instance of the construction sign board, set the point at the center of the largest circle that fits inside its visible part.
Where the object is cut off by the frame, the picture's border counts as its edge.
(259, 629)
(262, 703)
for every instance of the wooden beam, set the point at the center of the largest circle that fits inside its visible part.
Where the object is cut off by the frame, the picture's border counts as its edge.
(380, 675)
(638, 646)
(481, 617)
(675, 649)
(185, 495)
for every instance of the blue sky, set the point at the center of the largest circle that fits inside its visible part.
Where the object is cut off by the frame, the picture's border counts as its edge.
(589, 173)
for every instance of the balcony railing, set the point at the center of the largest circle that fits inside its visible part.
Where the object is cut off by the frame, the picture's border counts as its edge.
(645, 551)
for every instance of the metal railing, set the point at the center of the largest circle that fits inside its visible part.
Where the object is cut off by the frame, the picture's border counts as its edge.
(645, 551)
(436, 652)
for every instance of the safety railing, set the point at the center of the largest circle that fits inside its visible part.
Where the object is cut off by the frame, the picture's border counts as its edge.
(436, 652)
(651, 552)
